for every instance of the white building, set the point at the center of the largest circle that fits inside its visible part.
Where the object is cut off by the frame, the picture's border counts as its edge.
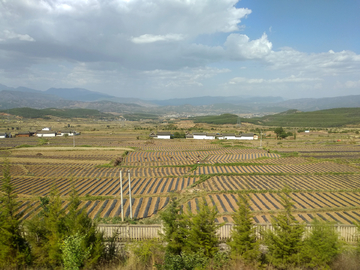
(247, 136)
(163, 135)
(46, 129)
(199, 136)
(3, 135)
(228, 136)
(69, 133)
(46, 134)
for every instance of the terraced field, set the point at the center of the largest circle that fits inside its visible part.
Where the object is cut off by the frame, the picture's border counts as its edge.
(194, 172)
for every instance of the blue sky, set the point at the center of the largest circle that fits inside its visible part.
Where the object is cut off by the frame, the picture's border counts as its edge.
(163, 49)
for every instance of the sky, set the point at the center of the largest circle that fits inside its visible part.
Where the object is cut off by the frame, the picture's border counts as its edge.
(162, 49)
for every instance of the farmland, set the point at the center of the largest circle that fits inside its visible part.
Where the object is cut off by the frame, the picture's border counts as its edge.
(321, 170)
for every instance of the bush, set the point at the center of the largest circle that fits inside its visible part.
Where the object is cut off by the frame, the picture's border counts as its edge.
(321, 246)
(73, 253)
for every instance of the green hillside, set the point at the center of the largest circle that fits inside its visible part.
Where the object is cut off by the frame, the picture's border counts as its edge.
(292, 118)
(62, 113)
(226, 118)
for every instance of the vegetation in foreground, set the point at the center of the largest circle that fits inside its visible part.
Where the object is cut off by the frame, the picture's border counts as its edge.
(59, 240)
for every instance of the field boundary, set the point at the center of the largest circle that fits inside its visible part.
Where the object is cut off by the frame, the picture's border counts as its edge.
(347, 233)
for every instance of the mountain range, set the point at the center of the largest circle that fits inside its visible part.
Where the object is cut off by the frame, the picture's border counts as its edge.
(82, 98)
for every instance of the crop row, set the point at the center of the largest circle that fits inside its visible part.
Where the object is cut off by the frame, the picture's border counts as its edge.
(275, 182)
(305, 205)
(198, 157)
(141, 207)
(295, 160)
(194, 154)
(305, 168)
(80, 171)
(321, 149)
(75, 157)
(101, 187)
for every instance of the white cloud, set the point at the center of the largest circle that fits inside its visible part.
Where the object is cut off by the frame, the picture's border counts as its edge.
(8, 35)
(291, 79)
(148, 38)
(352, 84)
(325, 64)
(240, 47)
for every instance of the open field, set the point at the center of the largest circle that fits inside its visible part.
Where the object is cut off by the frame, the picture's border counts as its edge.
(323, 173)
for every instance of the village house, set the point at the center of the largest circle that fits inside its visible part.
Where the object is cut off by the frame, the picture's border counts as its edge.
(199, 136)
(46, 133)
(24, 134)
(161, 135)
(67, 133)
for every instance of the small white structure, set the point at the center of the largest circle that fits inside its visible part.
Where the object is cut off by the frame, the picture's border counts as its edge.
(229, 136)
(46, 134)
(68, 133)
(210, 136)
(46, 129)
(163, 135)
(246, 136)
(307, 131)
(3, 135)
(199, 136)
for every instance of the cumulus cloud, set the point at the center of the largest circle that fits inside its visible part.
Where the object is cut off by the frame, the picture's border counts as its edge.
(159, 44)
(241, 47)
(328, 63)
(148, 38)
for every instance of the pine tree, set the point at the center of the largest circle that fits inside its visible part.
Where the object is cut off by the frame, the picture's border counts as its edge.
(203, 232)
(14, 250)
(175, 228)
(243, 241)
(285, 242)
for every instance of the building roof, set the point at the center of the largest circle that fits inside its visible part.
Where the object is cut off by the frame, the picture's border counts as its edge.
(199, 133)
(247, 135)
(46, 132)
(210, 134)
(228, 134)
(189, 136)
(163, 133)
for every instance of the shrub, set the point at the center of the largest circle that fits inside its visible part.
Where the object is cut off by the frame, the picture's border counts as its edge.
(73, 254)
(321, 246)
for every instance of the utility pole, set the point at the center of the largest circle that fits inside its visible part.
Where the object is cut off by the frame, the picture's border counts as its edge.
(238, 122)
(130, 195)
(121, 197)
(260, 138)
(73, 138)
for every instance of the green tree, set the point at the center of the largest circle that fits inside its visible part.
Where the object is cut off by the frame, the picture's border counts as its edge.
(203, 231)
(175, 228)
(321, 245)
(52, 226)
(243, 241)
(280, 133)
(14, 250)
(285, 242)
